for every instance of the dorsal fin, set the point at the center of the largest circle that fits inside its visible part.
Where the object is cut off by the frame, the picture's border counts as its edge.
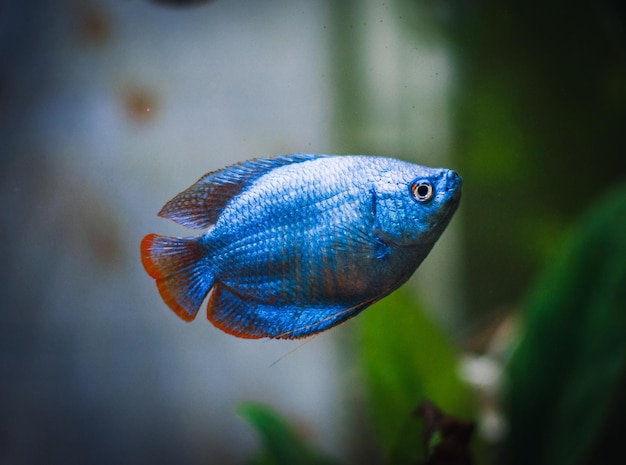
(200, 205)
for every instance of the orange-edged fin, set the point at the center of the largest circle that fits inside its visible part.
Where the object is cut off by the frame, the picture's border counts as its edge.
(251, 319)
(200, 205)
(179, 266)
(229, 313)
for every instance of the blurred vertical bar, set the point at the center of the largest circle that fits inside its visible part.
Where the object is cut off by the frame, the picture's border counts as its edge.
(391, 77)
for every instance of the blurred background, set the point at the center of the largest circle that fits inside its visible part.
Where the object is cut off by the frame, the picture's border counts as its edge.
(108, 108)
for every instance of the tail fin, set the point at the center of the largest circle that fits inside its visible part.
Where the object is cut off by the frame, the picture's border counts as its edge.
(178, 264)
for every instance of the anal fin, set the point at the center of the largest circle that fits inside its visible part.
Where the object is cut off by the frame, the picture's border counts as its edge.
(248, 318)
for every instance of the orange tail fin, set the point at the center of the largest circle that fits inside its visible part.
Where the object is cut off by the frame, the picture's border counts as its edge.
(179, 266)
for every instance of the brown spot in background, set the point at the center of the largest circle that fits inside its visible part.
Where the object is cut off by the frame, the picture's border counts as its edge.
(92, 22)
(61, 217)
(102, 235)
(139, 104)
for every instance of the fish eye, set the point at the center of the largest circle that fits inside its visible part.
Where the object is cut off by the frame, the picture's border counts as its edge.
(422, 191)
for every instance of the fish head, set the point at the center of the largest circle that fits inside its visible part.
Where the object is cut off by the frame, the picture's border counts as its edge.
(414, 206)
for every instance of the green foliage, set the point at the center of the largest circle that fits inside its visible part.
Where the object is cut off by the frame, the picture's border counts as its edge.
(524, 140)
(566, 378)
(409, 447)
(406, 359)
(281, 445)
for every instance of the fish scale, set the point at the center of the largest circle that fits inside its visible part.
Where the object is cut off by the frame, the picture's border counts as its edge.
(299, 243)
(266, 266)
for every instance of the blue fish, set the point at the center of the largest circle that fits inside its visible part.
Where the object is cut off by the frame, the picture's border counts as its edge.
(299, 243)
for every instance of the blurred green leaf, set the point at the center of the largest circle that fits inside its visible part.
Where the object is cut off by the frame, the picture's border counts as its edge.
(409, 446)
(407, 358)
(281, 445)
(565, 377)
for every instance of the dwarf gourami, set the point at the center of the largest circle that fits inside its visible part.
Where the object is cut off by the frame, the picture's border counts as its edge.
(297, 244)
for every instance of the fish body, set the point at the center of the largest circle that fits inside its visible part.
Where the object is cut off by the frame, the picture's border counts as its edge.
(297, 244)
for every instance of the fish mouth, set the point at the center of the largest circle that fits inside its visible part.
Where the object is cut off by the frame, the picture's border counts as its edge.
(453, 186)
